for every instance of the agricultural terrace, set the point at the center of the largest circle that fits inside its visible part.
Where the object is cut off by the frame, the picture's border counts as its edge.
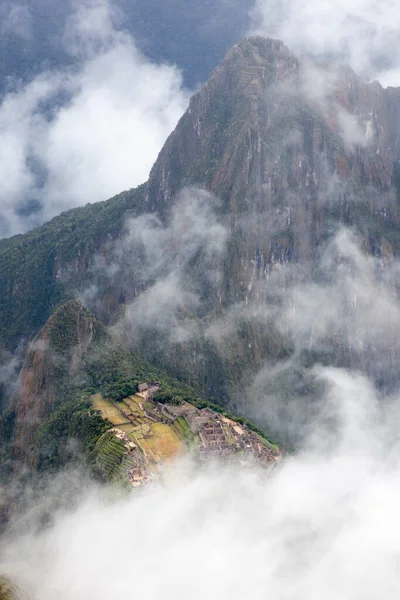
(108, 410)
(164, 444)
(158, 442)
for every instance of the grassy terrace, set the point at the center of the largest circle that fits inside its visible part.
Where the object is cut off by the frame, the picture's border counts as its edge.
(111, 459)
(164, 443)
(108, 410)
(158, 442)
(186, 434)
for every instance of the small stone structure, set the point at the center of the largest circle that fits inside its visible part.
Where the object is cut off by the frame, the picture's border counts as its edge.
(153, 388)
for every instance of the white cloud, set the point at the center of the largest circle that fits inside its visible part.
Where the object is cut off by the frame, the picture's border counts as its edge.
(321, 525)
(81, 135)
(353, 298)
(160, 255)
(349, 315)
(356, 302)
(363, 32)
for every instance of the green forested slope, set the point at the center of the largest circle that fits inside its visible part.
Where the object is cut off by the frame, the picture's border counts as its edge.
(30, 264)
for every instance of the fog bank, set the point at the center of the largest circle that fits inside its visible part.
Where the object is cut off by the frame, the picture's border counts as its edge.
(320, 525)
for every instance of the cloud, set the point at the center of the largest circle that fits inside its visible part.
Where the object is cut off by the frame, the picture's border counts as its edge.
(346, 314)
(9, 369)
(319, 525)
(16, 19)
(364, 33)
(355, 299)
(82, 134)
(193, 225)
(162, 307)
(319, 86)
(168, 267)
(353, 294)
(352, 298)
(177, 260)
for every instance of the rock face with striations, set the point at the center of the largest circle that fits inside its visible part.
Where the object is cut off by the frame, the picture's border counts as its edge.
(292, 149)
(289, 147)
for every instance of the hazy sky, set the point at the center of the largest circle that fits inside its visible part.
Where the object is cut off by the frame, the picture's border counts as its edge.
(90, 89)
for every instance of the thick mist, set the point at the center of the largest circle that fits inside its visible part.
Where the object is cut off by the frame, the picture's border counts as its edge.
(322, 524)
(361, 33)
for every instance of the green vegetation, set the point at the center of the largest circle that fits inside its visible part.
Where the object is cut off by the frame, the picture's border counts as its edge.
(150, 410)
(183, 428)
(168, 395)
(41, 269)
(120, 389)
(69, 323)
(109, 459)
(73, 420)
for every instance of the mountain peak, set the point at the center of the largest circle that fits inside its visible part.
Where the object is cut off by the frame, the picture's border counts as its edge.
(259, 48)
(251, 58)
(230, 105)
(52, 359)
(260, 95)
(291, 148)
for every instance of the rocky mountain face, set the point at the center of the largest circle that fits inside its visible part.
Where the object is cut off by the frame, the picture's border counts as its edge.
(295, 151)
(286, 145)
(292, 151)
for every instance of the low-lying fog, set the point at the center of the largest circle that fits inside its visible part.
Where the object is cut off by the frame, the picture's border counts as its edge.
(321, 525)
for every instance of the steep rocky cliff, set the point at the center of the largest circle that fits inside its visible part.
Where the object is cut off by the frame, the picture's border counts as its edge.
(292, 150)
(295, 151)
(288, 146)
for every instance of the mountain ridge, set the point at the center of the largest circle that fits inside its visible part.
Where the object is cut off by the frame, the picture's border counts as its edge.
(292, 150)
(230, 165)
